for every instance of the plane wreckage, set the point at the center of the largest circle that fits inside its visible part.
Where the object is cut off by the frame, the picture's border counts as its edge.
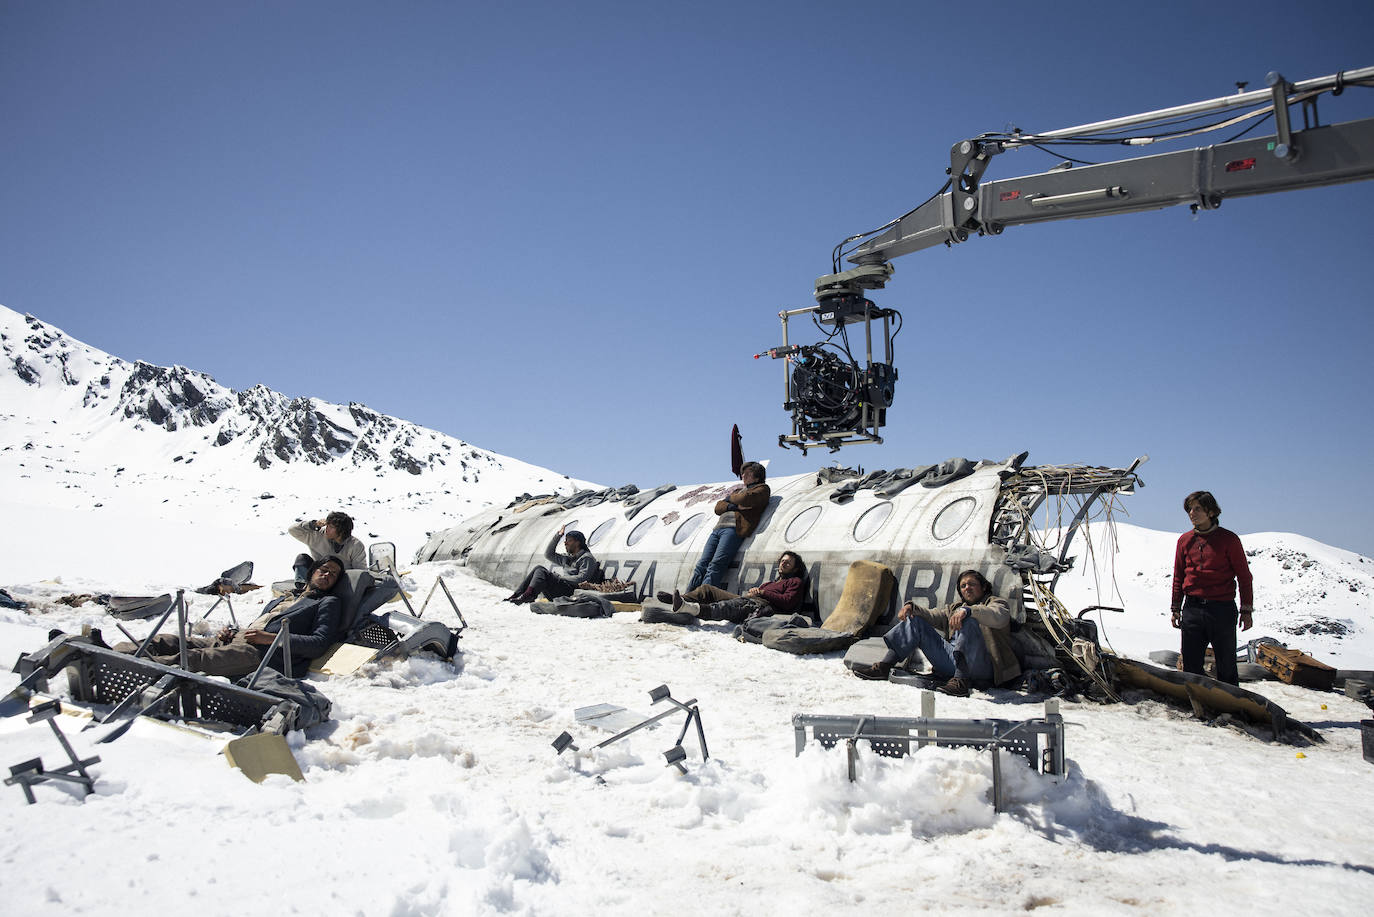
(1012, 521)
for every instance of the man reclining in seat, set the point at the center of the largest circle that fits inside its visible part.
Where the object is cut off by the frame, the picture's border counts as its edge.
(978, 650)
(313, 622)
(708, 603)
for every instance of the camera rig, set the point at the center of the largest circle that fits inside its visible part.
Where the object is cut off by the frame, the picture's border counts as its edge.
(835, 401)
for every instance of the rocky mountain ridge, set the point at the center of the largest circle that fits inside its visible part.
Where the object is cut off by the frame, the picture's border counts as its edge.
(264, 425)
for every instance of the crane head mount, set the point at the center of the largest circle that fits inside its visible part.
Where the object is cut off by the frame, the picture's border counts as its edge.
(834, 399)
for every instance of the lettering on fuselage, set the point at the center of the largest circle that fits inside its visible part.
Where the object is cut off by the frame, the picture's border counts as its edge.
(611, 570)
(928, 583)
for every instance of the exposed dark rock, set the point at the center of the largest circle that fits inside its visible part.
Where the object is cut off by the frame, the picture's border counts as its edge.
(25, 372)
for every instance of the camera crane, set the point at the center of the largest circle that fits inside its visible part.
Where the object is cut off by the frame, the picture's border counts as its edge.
(834, 401)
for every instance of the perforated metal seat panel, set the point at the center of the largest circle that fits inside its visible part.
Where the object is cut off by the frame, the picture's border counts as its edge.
(103, 676)
(895, 737)
(375, 636)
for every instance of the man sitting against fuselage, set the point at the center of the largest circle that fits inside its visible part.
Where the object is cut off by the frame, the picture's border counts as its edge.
(968, 642)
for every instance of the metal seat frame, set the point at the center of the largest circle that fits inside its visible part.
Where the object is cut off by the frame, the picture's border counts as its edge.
(1039, 741)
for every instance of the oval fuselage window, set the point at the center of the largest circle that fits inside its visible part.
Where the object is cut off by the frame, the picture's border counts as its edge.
(801, 523)
(952, 518)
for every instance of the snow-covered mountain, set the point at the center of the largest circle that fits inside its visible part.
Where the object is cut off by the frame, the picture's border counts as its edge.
(274, 429)
(96, 448)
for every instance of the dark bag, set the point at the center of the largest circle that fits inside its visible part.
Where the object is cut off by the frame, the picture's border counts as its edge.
(313, 706)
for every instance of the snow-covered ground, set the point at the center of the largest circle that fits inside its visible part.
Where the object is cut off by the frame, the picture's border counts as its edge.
(1307, 594)
(434, 789)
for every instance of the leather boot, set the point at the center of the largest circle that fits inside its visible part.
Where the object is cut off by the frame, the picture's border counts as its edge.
(876, 671)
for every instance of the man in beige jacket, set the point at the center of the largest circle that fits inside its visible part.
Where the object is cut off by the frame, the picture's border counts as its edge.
(330, 536)
(968, 642)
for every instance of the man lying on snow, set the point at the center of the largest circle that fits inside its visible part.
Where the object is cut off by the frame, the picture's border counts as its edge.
(576, 566)
(967, 642)
(313, 620)
(330, 536)
(781, 595)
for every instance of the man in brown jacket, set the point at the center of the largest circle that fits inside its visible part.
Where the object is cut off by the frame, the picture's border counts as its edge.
(739, 514)
(977, 649)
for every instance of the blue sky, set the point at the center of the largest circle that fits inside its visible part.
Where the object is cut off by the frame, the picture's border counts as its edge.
(560, 231)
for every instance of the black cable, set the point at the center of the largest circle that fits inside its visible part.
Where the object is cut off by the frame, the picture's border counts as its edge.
(1249, 129)
(837, 255)
(1082, 162)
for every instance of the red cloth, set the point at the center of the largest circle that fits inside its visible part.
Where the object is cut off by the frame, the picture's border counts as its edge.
(1209, 567)
(783, 594)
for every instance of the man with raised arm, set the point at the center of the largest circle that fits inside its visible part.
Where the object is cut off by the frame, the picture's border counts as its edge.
(332, 535)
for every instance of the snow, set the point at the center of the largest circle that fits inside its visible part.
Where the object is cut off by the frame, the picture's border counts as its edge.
(435, 790)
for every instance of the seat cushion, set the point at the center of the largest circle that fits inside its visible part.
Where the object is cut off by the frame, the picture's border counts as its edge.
(867, 591)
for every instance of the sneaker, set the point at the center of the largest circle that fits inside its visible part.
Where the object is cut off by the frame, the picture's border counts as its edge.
(874, 671)
(957, 686)
(656, 615)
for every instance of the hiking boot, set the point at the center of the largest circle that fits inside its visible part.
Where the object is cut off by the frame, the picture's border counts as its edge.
(958, 686)
(873, 671)
(655, 615)
(524, 598)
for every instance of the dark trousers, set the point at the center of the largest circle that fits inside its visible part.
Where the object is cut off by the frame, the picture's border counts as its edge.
(722, 605)
(543, 582)
(1205, 621)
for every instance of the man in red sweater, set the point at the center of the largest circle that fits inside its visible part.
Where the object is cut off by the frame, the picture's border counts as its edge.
(710, 603)
(1209, 563)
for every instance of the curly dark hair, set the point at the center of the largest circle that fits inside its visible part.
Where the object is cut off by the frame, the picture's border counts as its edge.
(800, 571)
(1205, 500)
(342, 522)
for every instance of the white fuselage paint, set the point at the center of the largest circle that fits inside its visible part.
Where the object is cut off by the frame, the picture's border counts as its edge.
(926, 538)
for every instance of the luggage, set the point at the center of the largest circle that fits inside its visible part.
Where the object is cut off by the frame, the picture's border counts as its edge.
(1294, 667)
